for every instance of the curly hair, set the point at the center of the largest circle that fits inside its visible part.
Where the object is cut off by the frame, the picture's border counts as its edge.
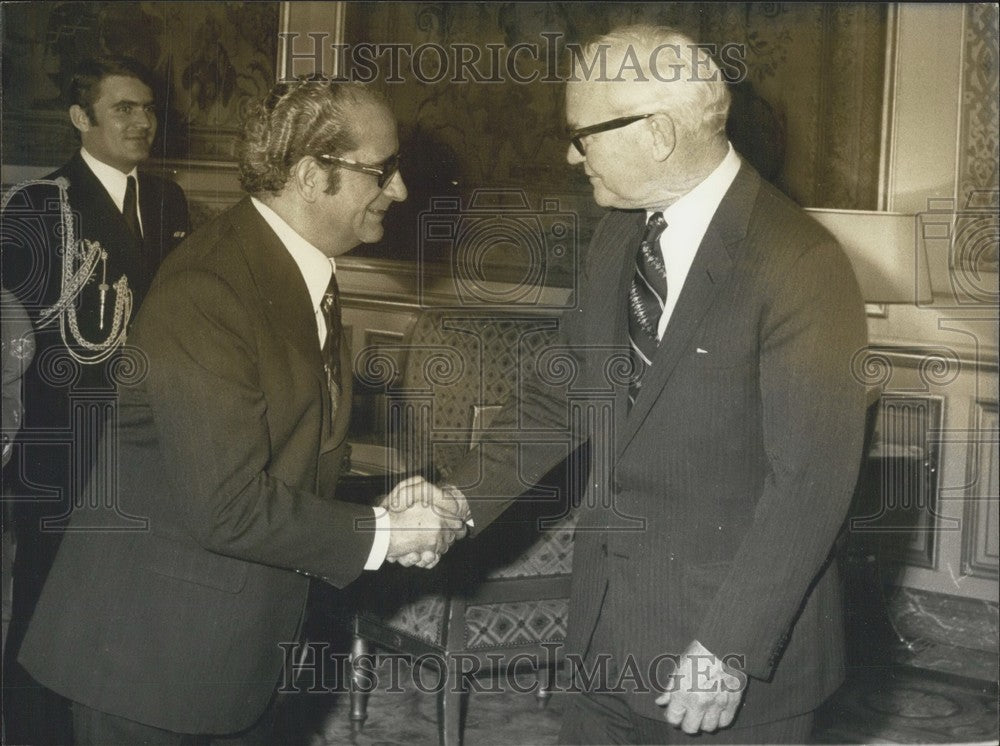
(296, 120)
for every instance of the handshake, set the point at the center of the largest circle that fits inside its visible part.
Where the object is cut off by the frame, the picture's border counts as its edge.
(424, 521)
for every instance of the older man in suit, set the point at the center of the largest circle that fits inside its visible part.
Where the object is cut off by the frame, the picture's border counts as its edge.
(135, 218)
(701, 580)
(231, 446)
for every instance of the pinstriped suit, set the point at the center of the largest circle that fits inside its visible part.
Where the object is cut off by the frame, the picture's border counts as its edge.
(732, 473)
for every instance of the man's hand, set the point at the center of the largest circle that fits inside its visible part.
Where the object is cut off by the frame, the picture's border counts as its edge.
(425, 520)
(703, 694)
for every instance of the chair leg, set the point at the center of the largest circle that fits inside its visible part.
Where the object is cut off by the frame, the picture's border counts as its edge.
(546, 683)
(450, 705)
(359, 697)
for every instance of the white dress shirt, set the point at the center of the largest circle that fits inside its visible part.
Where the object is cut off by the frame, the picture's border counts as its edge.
(317, 269)
(113, 181)
(687, 221)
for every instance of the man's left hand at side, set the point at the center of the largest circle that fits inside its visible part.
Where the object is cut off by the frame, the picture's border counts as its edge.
(703, 694)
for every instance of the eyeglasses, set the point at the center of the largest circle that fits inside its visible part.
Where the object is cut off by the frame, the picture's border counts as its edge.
(383, 172)
(576, 136)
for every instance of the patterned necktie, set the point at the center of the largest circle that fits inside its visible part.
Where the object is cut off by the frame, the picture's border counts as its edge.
(130, 208)
(330, 306)
(646, 298)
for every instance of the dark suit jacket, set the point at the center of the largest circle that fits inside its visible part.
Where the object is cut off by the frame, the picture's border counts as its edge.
(32, 269)
(731, 475)
(227, 448)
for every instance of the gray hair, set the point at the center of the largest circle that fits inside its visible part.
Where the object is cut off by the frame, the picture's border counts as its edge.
(666, 57)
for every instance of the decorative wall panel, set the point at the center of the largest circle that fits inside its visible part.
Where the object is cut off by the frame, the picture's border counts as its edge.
(981, 535)
(211, 58)
(978, 180)
(806, 108)
(900, 502)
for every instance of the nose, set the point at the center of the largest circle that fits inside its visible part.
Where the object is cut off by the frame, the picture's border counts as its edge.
(573, 156)
(144, 118)
(396, 188)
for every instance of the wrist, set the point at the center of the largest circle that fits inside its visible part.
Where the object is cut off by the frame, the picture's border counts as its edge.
(461, 504)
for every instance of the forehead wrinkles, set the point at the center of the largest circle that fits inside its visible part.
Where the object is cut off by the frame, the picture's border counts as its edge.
(630, 96)
(587, 99)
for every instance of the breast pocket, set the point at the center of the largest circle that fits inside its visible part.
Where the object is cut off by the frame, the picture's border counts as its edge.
(707, 354)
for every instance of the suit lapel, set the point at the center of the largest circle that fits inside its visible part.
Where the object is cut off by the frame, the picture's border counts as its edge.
(280, 284)
(712, 264)
(619, 337)
(151, 215)
(98, 218)
(95, 204)
(289, 310)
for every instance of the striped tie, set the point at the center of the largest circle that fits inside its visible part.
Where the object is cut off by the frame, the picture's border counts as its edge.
(330, 306)
(646, 298)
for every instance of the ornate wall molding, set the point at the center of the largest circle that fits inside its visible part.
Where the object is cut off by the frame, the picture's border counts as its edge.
(981, 525)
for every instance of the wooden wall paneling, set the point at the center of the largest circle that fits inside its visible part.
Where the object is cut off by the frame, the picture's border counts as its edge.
(981, 530)
(902, 475)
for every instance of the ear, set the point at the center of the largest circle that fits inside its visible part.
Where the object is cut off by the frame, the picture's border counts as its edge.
(79, 118)
(309, 178)
(664, 135)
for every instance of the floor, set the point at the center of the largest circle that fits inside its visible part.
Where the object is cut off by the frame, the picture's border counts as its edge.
(930, 691)
(891, 704)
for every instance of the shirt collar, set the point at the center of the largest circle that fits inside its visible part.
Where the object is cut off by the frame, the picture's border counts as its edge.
(316, 267)
(700, 204)
(113, 180)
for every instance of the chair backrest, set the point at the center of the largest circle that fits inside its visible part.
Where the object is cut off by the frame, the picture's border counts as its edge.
(461, 366)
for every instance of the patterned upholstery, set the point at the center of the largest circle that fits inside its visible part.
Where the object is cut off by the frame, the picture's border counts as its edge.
(421, 618)
(515, 623)
(458, 363)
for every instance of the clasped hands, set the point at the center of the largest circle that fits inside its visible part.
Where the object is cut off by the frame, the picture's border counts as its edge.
(424, 521)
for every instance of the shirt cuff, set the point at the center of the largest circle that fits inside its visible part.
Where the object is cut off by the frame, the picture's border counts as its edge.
(380, 547)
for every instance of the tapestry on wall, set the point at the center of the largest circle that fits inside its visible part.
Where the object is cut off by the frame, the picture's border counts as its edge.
(211, 59)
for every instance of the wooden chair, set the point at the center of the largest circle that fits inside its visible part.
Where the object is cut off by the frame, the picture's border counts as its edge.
(505, 592)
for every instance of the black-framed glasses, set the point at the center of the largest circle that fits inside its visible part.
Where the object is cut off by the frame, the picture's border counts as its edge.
(576, 136)
(383, 172)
